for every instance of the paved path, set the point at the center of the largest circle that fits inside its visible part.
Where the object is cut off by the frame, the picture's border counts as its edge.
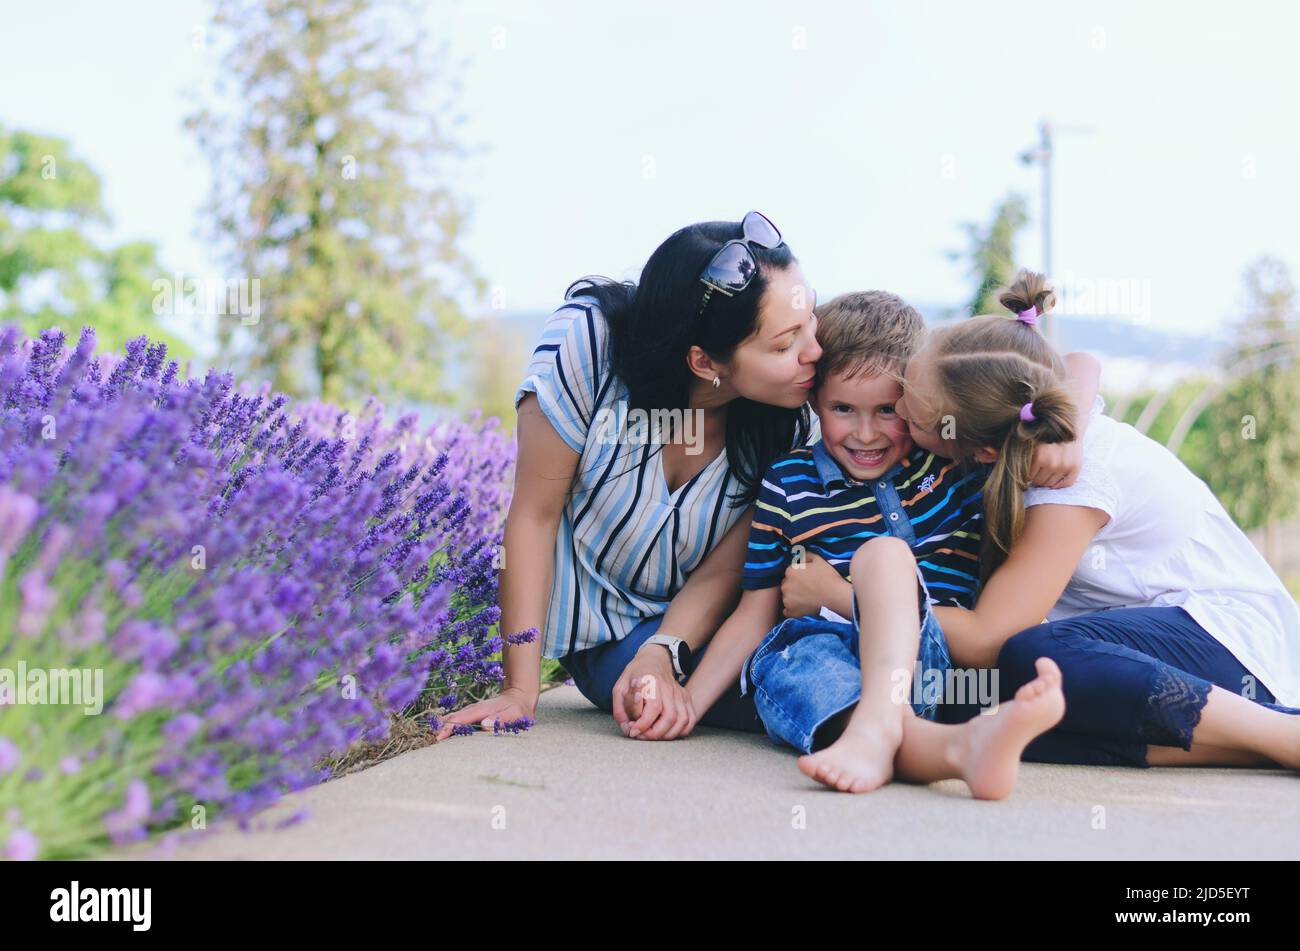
(574, 787)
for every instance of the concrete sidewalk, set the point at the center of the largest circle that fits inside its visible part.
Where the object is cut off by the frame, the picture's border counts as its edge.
(574, 787)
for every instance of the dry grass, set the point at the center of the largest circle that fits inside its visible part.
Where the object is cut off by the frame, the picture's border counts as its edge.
(412, 733)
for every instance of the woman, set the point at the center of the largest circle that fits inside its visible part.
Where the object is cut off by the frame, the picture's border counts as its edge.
(648, 523)
(1175, 639)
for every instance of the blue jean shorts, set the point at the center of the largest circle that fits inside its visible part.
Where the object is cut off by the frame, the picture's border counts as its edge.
(807, 670)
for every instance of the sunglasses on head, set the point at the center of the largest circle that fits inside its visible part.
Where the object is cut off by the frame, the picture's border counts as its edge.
(734, 266)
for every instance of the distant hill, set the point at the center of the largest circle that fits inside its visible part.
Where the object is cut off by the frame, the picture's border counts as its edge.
(1134, 355)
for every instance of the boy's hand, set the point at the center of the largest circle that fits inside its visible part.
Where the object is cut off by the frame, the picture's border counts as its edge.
(1056, 465)
(809, 585)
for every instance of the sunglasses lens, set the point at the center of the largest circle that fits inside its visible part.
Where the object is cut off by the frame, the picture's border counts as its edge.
(760, 230)
(732, 268)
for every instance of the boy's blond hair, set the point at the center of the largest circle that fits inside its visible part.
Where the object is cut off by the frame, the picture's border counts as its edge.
(867, 333)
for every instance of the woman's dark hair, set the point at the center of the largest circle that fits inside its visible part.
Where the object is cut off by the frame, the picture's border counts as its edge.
(654, 323)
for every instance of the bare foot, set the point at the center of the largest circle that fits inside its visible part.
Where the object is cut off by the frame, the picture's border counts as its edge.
(861, 760)
(988, 752)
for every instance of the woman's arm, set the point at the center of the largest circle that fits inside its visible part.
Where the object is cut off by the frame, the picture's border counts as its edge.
(544, 470)
(1057, 465)
(758, 612)
(696, 611)
(712, 590)
(1026, 586)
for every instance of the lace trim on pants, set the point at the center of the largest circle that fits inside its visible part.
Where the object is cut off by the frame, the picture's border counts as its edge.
(1174, 705)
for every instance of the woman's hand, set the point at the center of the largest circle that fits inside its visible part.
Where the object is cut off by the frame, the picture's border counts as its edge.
(511, 704)
(813, 583)
(648, 702)
(1056, 465)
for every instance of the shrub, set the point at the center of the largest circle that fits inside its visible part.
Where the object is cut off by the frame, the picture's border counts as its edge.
(259, 586)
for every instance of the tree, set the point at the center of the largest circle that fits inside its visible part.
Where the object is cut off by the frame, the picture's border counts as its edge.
(499, 356)
(52, 271)
(330, 166)
(1254, 420)
(992, 253)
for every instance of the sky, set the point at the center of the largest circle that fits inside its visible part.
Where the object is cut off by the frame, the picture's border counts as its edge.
(869, 132)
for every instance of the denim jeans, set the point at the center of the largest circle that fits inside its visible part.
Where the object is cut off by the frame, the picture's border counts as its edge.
(807, 670)
(596, 670)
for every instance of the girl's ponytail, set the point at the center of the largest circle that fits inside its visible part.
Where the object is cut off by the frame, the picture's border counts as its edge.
(1029, 291)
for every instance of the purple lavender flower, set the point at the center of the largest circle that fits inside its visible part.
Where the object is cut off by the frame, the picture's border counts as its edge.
(9, 755)
(511, 726)
(22, 846)
(261, 583)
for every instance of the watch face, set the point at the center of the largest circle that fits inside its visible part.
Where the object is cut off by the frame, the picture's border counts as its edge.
(684, 660)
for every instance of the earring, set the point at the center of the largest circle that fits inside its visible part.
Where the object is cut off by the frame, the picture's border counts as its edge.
(716, 383)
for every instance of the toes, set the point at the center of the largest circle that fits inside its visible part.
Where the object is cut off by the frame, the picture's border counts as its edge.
(1047, 669)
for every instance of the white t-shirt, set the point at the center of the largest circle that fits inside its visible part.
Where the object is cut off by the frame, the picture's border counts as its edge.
(1170, 542)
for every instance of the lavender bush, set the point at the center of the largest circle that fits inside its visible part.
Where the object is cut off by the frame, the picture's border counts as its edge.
(259, 585)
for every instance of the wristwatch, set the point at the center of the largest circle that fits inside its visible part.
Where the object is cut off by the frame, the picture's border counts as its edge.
(680, 652)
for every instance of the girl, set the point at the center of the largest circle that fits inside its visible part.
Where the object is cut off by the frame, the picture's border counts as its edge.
(1175, 639)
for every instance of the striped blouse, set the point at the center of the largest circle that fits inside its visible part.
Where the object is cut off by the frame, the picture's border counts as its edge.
(625, 544)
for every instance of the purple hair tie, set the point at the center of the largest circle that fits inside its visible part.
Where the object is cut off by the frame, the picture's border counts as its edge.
(1029, 316)
(1027, 413)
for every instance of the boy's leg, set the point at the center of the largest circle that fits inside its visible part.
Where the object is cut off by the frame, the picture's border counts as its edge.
(803, 677)
(985, 751)
(885, 591)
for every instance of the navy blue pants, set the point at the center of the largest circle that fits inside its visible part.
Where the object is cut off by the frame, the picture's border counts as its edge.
(1132, 677)
(596, 670)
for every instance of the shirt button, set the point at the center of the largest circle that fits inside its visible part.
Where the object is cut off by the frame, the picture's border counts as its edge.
(883, 484)
(893, 516)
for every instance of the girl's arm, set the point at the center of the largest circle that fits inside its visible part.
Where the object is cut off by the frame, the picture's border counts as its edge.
(544, 471)
(696, 611)
(1025, 587)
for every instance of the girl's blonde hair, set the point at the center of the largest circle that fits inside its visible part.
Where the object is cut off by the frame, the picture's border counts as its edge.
(986, 370)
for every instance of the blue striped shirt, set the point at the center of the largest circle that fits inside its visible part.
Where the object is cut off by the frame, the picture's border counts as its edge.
(625, 544)
(808, 501)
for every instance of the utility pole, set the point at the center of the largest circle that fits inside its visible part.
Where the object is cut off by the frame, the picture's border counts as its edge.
(1041, 155)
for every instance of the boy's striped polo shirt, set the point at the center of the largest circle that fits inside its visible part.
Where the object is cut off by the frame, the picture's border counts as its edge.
(934, 504)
